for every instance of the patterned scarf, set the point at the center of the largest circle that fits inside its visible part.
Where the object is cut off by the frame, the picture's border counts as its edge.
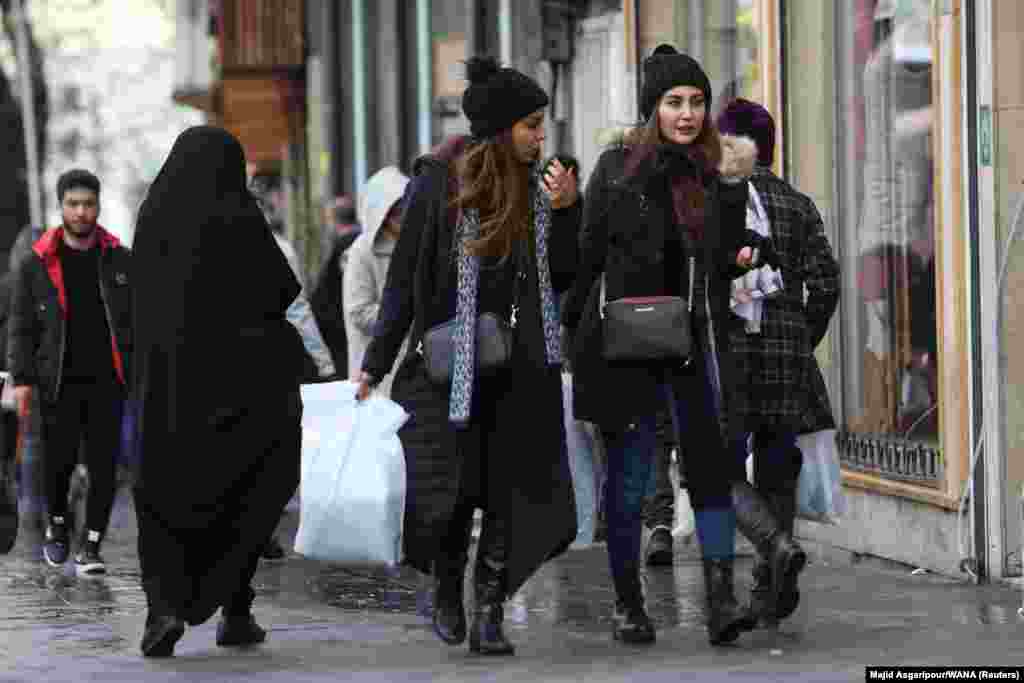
(463, 372)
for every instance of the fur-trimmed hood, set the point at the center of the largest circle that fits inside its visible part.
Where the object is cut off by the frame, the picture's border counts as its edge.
(739, 153)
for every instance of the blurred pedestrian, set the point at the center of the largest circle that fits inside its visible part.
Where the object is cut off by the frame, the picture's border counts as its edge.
(9, 519)
(340, 218)
(70, 335)
(660, 497)
(29, 443)
(484, 232)
(380, 214)
(664, 216)
(784, 392)
(217, 387)
(267, 190)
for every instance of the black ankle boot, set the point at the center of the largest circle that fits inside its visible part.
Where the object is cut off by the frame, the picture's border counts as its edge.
(162, 632)
(632, 625)
(487, 636)
(239, 631)
(726, 619)
(449, 618)
(630, 622)
(784, 557)
(237, 626)
(164, 628)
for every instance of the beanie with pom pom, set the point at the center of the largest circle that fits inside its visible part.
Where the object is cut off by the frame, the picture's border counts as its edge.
(496, 98)
(665, 69)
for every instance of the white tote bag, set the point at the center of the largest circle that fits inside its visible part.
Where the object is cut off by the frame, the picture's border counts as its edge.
(353, 477)
(819, 493)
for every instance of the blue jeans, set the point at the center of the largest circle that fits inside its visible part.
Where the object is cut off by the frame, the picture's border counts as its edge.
(692, 405)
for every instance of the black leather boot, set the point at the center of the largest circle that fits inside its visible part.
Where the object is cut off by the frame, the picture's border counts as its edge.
(761, 599)
(163, 627)
(449, 619)
(785, 559)
(726, 618)
(784, 505)
(237, 626)
(239, 631)
(487, 636)
(630, 622)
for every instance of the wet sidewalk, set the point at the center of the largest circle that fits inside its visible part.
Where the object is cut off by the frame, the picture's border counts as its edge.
(331, 624)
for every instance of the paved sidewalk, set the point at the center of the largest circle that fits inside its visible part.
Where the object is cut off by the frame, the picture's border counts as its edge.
(331, 624)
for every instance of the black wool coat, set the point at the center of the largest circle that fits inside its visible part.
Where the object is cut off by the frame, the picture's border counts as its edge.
(623, 237)
(37, 329)
(785, 389)
(514, 448)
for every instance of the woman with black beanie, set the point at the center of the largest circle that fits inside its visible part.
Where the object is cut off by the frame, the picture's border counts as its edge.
(483, 232)
(665, 215)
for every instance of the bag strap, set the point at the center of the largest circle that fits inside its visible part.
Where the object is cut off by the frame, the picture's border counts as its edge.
(603, 298)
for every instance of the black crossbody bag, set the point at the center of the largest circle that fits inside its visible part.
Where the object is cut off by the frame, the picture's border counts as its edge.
(494, 337)
(647, 329)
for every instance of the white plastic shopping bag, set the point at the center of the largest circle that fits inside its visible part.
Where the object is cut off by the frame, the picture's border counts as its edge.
(819, 494)
(353, 477)
(583, 467)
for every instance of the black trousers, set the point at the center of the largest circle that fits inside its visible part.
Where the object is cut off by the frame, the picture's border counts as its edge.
(89, 411)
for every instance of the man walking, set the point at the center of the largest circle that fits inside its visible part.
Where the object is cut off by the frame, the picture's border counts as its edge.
(69, 337)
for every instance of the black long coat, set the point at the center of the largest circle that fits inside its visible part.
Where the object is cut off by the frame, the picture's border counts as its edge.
(623, 236)
(784, 387)
(216, 378)
(525, 476)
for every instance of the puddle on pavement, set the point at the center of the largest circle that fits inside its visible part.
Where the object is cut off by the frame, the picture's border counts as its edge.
(574, 590)
(368, 590)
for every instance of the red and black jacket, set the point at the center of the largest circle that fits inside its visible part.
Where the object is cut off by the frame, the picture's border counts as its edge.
(37, 332)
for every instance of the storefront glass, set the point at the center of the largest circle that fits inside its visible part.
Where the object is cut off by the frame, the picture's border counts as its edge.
(890, 365)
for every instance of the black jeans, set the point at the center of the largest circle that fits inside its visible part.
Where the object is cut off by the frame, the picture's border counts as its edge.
(92, 412)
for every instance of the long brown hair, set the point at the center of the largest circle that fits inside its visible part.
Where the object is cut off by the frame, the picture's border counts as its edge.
(494, 181)
(688, 196)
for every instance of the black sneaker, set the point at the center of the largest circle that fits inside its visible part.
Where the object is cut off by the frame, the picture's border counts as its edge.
(632, 625)
(55, 549)
(88, 561)
(659, 548)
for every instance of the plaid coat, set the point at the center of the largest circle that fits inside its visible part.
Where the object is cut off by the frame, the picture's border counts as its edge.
(778, 382)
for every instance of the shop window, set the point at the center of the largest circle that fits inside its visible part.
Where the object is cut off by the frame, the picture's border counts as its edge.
(890, 368)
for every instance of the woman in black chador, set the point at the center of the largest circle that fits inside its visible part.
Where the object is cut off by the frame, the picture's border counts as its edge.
(217, 385)
(483, 233)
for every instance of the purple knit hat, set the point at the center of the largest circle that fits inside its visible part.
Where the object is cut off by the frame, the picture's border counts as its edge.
(743, 117)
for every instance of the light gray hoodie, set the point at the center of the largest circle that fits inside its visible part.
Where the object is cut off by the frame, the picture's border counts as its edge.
(367, 268)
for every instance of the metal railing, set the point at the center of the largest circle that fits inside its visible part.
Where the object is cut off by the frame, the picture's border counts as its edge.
(892, 458)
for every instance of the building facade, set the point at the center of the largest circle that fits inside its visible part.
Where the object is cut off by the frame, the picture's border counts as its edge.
(898, 117)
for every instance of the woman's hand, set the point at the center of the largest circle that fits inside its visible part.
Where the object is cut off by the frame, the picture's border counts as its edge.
(366, 384)
(745, 258)
(560, 185)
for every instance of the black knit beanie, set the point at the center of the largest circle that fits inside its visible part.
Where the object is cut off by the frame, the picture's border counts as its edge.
(665, 69)
(496, 98)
